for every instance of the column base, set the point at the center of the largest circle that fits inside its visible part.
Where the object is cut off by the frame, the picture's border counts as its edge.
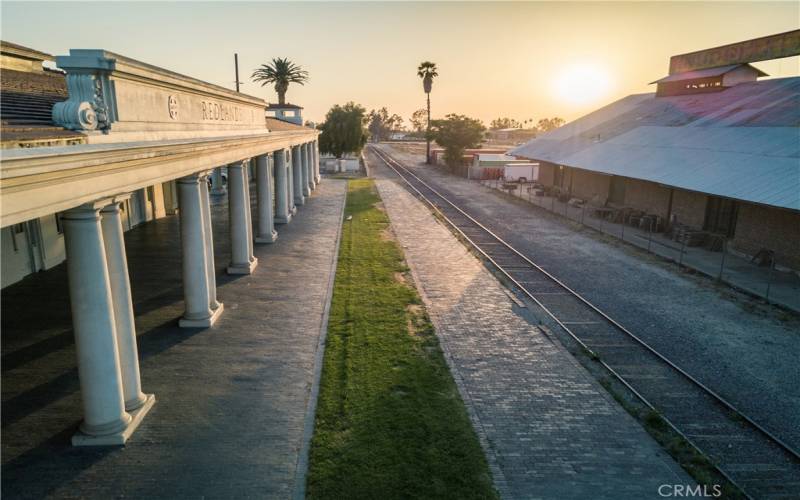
(267, 238)
(204, 322)
(319, 178)
(283, 220)
(121, 437)
(294, 210)
(307, 192)
(299, 201)
(243, 268)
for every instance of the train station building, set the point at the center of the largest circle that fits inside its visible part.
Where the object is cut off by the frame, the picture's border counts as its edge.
(715, 150)
(96, 144)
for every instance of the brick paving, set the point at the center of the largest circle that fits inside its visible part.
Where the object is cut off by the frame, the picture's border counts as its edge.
(231, 400)
(741, 349)
(548, 429)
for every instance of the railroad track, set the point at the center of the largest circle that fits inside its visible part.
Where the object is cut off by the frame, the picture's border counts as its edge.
(756, 461)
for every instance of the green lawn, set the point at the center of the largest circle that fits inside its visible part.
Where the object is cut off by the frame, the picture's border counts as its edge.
(390, 422)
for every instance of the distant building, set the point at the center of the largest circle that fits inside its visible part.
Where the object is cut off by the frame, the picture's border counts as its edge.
(291, 113)
(511, 134)
(714, 149)
(437, 155)
(490, 165)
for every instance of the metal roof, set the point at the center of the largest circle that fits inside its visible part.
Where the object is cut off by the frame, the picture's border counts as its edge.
(494, 157)
(741, 143)
(706, 73)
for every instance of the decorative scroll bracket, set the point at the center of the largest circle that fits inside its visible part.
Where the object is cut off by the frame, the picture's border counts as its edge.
(91, 100)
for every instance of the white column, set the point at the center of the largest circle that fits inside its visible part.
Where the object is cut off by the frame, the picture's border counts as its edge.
(239, 206)
(305, 164)
(93, 324)
(266, 229)
(282, 213)
(290, 175)
(315, 149)
(208, 233)
(196, 280)
(297, 176)
(124, 324)
(247, 171)
(312, 176)
(217, 185)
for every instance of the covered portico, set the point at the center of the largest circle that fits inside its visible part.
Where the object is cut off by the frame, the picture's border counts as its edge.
(145, 126)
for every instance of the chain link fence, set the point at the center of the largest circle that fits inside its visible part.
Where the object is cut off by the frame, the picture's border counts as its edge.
(715, 258)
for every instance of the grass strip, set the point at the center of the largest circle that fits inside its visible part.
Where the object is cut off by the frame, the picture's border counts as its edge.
(390, 422)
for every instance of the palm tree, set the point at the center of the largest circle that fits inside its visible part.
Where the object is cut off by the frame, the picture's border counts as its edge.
(281, 72)
(426, 71)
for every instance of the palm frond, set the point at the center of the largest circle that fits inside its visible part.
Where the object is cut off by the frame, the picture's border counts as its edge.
(427, 69)
(280, 70)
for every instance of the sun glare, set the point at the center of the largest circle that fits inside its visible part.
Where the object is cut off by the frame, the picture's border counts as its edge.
(581, 84)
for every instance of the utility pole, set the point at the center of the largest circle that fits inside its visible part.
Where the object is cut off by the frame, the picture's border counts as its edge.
(236, 66)
(428, 134)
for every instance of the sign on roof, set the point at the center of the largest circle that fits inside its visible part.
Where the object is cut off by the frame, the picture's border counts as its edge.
(759, 49)
(113, 98)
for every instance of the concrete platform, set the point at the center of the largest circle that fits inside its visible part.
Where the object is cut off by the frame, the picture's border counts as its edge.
(137, 416)
(232, 399)
(548, 429)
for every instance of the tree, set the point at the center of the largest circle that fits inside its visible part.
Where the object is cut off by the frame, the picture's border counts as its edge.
(427, 71)
(381, 124)
(343, 130)
(548, 124)
(499, 123)
(397, 122)
(281, 72)
(418, 122)
(456, 133)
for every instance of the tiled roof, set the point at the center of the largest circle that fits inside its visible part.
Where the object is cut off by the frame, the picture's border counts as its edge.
(287, 105)
(26, 103)
(276, 124)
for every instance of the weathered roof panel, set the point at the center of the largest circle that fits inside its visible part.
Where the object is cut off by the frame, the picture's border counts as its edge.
(705, 73)
(742, 143)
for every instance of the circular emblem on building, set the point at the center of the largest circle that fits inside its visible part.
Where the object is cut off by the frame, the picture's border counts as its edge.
(173, 107)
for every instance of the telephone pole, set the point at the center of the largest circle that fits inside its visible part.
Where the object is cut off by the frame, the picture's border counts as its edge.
(236, 66)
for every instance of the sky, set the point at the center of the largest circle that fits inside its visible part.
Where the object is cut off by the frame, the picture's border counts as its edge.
(519, 60)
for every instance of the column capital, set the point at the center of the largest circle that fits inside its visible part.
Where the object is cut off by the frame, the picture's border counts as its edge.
(190, 179)
(87, 211)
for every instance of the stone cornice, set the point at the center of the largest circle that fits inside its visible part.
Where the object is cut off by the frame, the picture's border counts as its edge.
(128, 68)
(14, 50)
(40, 181)
(113, 98)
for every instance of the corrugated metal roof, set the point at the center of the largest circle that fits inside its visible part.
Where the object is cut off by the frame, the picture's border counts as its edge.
(706, 73)
(741, 143)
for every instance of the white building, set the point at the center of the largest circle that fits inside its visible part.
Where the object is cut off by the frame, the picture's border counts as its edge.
(111, 142)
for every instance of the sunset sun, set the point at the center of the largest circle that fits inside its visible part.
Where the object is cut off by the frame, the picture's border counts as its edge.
(582, 83)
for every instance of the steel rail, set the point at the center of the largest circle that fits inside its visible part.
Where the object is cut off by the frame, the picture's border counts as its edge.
(397, 166)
